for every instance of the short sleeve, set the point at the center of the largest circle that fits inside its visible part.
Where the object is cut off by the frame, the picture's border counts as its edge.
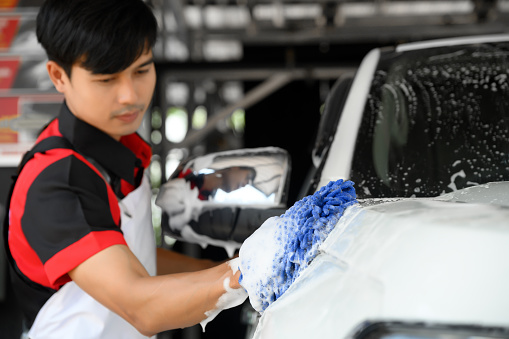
(70, 214)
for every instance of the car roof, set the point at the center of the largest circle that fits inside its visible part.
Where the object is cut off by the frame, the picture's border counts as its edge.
(452, 42)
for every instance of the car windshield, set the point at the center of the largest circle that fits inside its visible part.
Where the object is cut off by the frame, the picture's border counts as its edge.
(435, 120)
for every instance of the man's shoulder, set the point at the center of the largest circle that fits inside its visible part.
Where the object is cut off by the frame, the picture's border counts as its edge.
(61, 166)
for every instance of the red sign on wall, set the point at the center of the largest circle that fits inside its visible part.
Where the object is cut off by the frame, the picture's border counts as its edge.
(8, 29)
(8, 71)
(8, 3)
(8, 112)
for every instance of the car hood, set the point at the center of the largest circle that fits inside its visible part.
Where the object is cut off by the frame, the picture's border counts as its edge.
(436, 260)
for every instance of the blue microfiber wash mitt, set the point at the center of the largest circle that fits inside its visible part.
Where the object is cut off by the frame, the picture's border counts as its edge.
(273, 257)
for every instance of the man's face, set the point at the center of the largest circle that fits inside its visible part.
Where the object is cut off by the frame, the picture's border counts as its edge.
(113, 103)
(235, 178)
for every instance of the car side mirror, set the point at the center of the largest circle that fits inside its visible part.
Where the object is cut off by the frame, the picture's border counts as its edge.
(222, 198)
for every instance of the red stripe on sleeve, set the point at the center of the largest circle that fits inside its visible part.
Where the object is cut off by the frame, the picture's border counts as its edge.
(27, 260)
(69, 258)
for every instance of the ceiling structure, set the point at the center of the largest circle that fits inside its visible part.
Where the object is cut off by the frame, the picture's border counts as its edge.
(221, 30)
(279, 41)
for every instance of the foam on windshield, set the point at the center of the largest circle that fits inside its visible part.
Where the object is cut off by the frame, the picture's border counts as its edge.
(275, 255)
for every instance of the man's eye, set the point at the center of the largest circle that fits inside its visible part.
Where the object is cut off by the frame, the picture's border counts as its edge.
(142, 71)
(105, 80)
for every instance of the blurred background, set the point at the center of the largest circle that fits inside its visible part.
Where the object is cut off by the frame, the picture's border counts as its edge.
(231, 74)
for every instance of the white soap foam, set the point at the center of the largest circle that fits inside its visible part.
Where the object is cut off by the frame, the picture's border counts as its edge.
(231, 298)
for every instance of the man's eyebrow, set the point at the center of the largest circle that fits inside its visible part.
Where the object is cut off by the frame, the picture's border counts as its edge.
(146, 63)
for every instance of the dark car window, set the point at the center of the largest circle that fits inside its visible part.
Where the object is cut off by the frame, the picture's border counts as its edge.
(331, 113)
(333, 107)
(435, 121)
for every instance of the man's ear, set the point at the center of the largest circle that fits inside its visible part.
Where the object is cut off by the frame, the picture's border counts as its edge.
(58, 76)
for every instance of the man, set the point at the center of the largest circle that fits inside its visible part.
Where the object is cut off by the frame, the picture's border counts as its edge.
(80, 233)
(227, 179)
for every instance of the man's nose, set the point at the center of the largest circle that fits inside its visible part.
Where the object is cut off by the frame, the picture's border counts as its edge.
(127, 92)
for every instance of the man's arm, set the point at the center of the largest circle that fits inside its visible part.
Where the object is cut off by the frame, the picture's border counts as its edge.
(116, 279)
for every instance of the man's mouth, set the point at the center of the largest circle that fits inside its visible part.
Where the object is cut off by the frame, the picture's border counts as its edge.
(128, 116)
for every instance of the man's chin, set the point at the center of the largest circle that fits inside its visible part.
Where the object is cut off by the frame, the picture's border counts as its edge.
(121, 133)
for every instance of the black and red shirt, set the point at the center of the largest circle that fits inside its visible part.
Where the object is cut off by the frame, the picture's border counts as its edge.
(64, 207)
(195, 180)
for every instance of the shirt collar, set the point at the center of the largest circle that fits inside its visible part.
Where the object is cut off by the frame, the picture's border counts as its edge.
(113, 155)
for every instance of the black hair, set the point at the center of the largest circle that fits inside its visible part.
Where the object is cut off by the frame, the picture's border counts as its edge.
(103, 36)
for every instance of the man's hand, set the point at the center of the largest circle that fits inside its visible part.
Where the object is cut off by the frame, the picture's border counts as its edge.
(234, 294)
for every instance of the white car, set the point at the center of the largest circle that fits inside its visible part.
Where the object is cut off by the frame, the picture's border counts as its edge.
(423, 131)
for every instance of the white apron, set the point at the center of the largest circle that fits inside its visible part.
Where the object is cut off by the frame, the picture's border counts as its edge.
(72, 313)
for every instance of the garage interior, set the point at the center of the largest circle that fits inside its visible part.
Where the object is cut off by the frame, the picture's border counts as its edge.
(237, 74)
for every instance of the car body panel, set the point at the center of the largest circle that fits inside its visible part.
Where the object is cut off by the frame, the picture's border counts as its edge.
(427, 259)
(437, 260)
